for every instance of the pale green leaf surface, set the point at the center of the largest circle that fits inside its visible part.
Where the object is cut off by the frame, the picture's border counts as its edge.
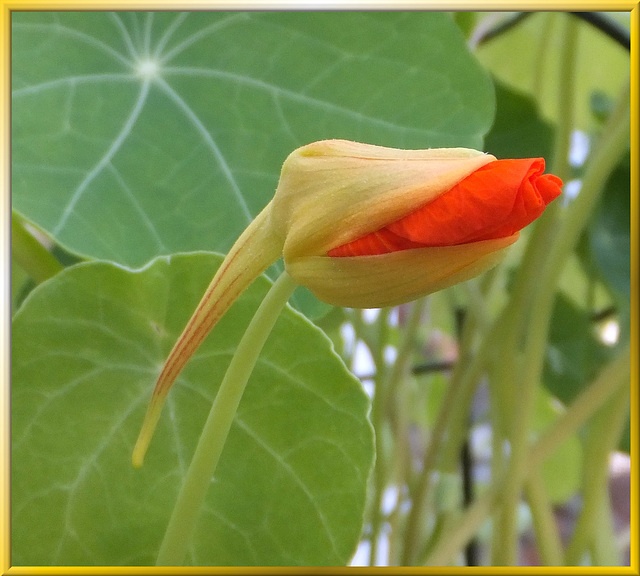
(561, 471)
(87, 347)
(142, 134)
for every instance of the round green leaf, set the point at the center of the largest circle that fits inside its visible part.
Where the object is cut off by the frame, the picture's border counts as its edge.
(574, 354)
(87, 346)
(142, 134)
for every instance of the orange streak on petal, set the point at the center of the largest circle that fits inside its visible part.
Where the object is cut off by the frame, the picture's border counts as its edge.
(381, 242)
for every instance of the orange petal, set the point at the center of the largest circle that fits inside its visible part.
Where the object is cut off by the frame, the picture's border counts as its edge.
(383, 241)
(495, 201)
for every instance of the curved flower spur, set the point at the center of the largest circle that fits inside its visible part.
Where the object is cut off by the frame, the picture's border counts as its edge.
(366, 226)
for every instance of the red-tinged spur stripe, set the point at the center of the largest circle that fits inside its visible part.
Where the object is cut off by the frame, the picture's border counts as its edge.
(212, 306)
(241, 266)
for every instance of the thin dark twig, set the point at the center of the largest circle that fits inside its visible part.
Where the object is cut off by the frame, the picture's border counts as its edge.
(602, 22)
(466, 460)
(441, 366)
(604, 314)
(608, 26)
(500, 28)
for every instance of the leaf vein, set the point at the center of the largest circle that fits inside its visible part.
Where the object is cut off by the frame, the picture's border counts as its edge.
(298, 481)
(106, 158)
(211, 143)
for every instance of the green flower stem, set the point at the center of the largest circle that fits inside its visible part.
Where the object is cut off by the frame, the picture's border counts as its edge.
(464, 379)
(32, 256)
(566, 99)
(610, 380)
(398, 402)
(544, 47)
(520, 425)
(614, 143)
(605, 550)
(400, 366)
(544, 522)
(378, 418)
(602, 438)
(612, 377)
(543, 233)
(455, 537)
(544, 230)
(452, 422)
(216, 429)
(396, 384)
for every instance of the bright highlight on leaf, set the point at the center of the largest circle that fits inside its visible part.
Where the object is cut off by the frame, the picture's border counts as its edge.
(367, 226)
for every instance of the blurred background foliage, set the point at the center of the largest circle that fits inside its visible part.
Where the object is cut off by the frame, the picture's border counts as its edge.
(143, 135)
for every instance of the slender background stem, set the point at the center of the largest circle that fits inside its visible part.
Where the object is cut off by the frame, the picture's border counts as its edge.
(451, 424)
(544, 522)
(378, 417)
(613, 378)
(602, 438)
(505, 337)
(533, 311)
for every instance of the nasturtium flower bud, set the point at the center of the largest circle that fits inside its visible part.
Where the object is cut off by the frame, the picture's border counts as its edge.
(334, 191)
(393, 225)
(367, 226)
